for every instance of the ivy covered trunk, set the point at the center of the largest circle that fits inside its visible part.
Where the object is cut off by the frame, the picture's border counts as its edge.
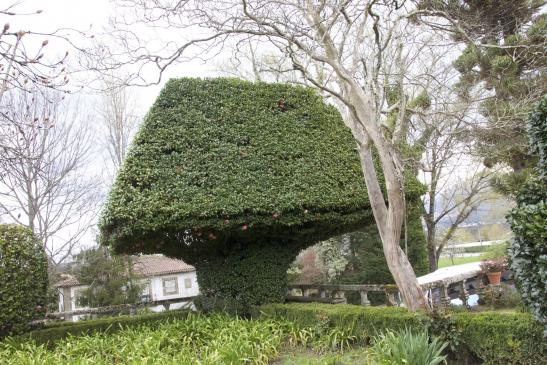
(250, 275)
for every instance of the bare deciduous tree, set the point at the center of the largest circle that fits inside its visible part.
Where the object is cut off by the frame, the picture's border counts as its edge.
(455, 180)
(27, 65)
(44, 179)
(441, 132)
(450, 197)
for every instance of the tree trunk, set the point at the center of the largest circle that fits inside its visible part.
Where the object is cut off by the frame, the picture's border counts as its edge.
(403, 273)
(389, 216)
(431, 247)
(389, 222)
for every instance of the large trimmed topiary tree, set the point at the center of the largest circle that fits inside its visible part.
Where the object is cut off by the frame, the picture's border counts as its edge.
(236, 178)
(23, 278)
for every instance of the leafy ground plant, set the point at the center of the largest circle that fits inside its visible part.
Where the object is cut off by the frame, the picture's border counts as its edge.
(406, 348)
(195, 340)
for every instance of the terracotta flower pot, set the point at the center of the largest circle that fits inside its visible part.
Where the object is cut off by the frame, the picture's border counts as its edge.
(494, 277)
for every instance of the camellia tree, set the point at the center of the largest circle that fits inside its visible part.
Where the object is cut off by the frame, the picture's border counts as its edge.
(236, 178)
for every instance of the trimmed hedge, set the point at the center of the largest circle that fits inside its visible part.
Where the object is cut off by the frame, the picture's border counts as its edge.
(365, 321)
(57, 331)
(494, 337)
(23, 279)
(502, 338)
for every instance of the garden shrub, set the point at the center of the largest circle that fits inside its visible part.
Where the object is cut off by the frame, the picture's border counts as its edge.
(209, 304)
(407, 347)
(252, 275)
(55, 332)
(493, 337)
(225, 173)
(528, 250)
(197, 339)
(502, 338)
(23, 278)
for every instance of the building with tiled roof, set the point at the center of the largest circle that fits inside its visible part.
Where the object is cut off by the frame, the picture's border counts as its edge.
(154, 265)
(164, 280)
(67, 280)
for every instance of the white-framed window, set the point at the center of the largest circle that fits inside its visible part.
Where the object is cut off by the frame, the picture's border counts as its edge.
(170, 286)
(187, 283)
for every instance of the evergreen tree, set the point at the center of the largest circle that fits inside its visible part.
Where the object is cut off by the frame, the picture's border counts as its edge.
(505, 55)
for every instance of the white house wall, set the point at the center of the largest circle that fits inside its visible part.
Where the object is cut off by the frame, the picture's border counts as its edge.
(156, 285)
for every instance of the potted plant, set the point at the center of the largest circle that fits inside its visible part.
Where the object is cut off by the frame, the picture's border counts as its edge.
(493, 269)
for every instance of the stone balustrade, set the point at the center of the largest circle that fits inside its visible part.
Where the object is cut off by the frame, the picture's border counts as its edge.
(439, 292)
(336, 293)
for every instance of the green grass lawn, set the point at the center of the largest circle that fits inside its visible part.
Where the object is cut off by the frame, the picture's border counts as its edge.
(446, 261)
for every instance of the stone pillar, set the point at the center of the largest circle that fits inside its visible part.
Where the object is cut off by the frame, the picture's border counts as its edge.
(445, 298)
(364, 298)
(342, 294)
(322, 293)
(463, 292)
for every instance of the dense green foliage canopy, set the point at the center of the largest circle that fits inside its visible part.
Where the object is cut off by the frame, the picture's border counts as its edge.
(528, 251)
(23, 279)
(223, 159)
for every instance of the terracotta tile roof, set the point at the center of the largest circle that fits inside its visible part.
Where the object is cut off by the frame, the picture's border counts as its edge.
(152, 265)
(146, 265)
(66, 281)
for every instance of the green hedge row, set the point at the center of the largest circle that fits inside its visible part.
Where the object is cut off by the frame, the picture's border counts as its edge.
(57, 331)
(493, 337)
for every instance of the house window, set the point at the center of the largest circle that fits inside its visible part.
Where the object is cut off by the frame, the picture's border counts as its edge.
(187, 283)
(170, 286)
